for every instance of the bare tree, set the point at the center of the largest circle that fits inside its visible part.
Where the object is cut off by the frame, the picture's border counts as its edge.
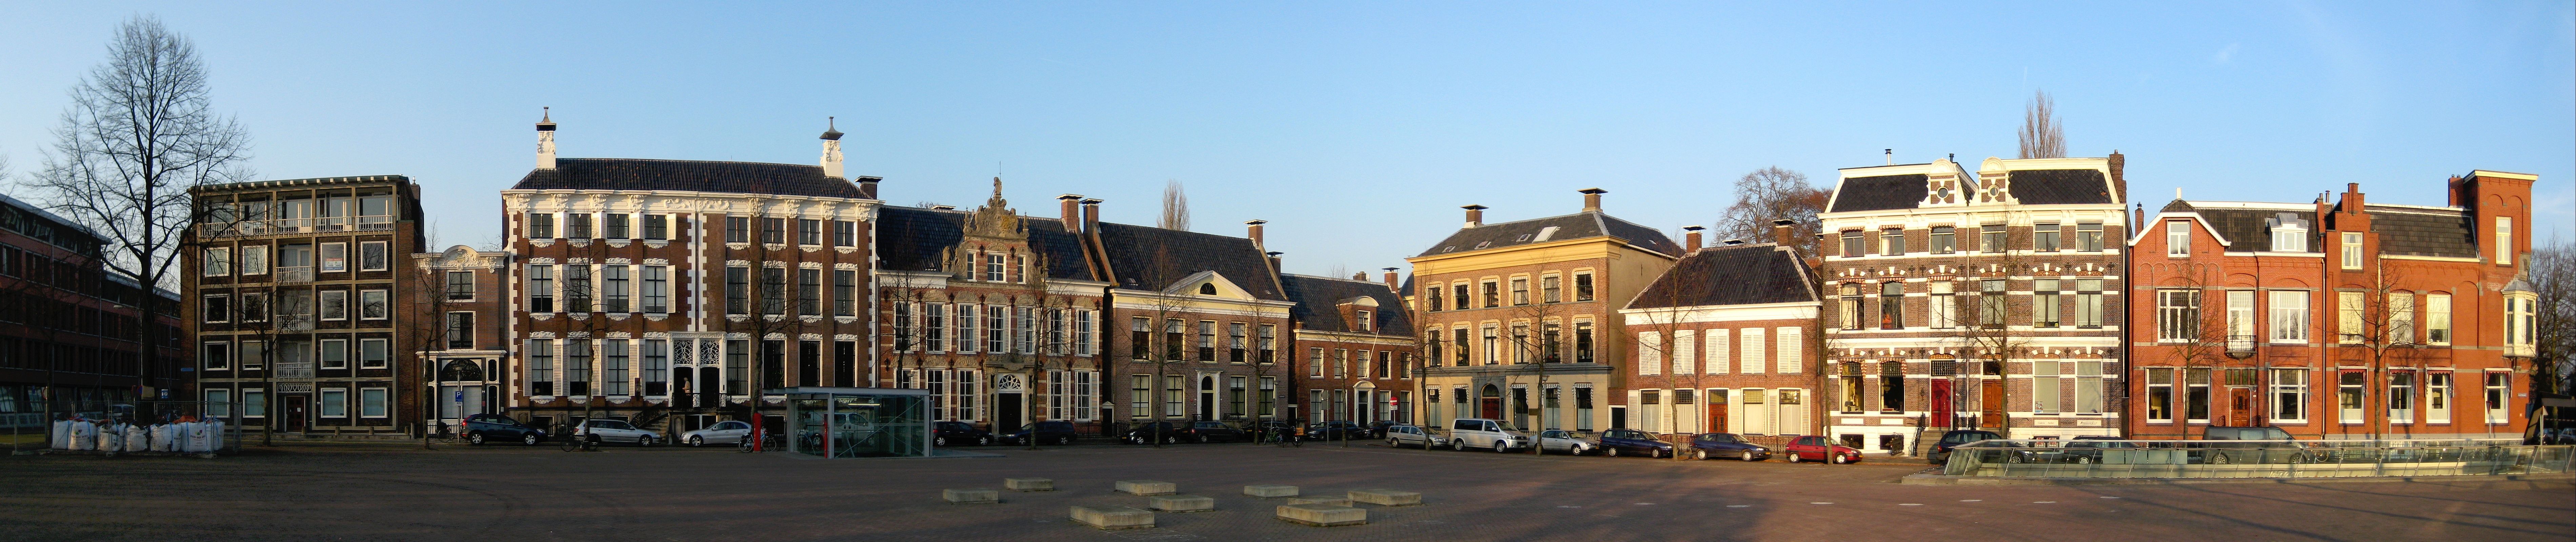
(2551, 271)
(2385, 329)
(2041, 136)
(1769, 194)
(139, 134)
(1176, 207)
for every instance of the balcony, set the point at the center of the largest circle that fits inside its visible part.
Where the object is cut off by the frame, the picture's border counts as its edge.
(295, 275)
(2240, 346)
(294, 369)
(292, 323)
(376, 223)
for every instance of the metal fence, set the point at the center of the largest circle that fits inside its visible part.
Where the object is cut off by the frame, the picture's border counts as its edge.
(2253, 458)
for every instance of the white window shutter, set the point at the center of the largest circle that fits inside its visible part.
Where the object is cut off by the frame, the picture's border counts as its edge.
(1685, 352)
(1792, 354)
(1635, 400)
(1750, 350)
(1650, 355)
(1720, 343)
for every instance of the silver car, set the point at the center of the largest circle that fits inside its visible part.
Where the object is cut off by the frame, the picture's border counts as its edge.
(1571, 442)
(606, 431)
(727, 432)
(1398, 436)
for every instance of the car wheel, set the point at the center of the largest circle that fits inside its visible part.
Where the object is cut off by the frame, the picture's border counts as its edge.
(1390, 443)
(696, 441)
(1699, 454)
(646, 442)
(2014, 458)
(2218, 459)
(1501, 448)
(2083, 460)
(1842, 460)
(1612, 451)
(1748, 455)
(474, 438)
(1793, 457)
(1168, 439)
(939, 441)
(529, 439)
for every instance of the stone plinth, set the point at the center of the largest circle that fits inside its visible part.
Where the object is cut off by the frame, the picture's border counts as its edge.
(1147, 487)
(1386, 497)
(1111, 518)
(1180, 503)
(1029, 484)
(1327, 501)
(1322, 515)
(1270, 491)
(970, 496)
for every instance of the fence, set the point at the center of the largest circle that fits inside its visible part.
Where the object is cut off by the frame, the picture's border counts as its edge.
(2253, 459)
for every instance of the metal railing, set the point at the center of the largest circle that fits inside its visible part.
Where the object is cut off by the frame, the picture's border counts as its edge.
(2240, 344)
(296, 225)
(2253, 459)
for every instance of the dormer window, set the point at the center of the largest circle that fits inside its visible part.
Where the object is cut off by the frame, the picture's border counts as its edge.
(1366, 323)
(1207, 289)
(2289, 234)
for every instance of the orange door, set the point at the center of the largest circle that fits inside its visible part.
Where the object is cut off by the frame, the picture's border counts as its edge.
(1994, 415)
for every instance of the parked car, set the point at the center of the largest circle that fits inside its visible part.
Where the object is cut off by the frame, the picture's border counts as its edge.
(1398, 436)
(1618, 442)
(1480, 433)
(602, 431)
(724, 432)
(1204, 432)
(1726, 445)
(1570, 442)
(1953, 439)
(1819, 448)
(2223, 453)
(950, 434)
(1275, 429)
(1149, 432)
(2081, 450)
(1046, 432)
(1377, 429)
(1179, 432)
(1337, 430)
(480, 428)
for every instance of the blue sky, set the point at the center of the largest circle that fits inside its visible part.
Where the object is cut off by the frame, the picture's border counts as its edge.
(1357, 129)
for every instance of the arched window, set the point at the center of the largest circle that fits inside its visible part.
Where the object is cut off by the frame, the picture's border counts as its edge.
(1207, 289)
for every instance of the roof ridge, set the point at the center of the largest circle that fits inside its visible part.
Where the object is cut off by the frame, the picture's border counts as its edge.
(698, 161)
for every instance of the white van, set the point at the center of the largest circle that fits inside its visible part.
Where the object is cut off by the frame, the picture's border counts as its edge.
(1479, 433)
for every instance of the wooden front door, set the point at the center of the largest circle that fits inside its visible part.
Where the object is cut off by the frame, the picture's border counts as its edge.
(1942, 415)
(1490, 408)
(1994, 414)
(2240, 407)
(295, 412)
(1717, 418)
(1006, 412)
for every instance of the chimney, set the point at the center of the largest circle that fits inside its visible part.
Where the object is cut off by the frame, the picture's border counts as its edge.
(1780, 232)
(1252, 229)
(1592, 199)
(1070, 211)
(1390, 279)
(1891, 157)
(1734, 242)
(1475, 215)
(868, 187)
(2119, 176)
(1690, 239)
(1090, 215)
(2352, 198)
(831, 148)
(2138, 217)
(1360, 276)
(1274, 260)
(546, 140)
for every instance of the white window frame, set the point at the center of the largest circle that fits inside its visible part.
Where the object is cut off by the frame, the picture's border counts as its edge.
(332, 304)
(2293, 384)
(326, 349)
(218, 262)
(2289, 316)
(331, 403)
(2159, 387)
(2044, 386)
(2351, 249)
(380, 298)
(375, 402)
(2504, 240)
(2178, 238)
(382, 248)
(254, 260)
(2401, 410)
(2437, 319)
(382, 345)
(2499, 396)
(2438, 397)
(2289, 238)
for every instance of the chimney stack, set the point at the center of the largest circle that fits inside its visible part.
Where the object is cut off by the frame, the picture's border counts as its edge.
(1360, 276)
(1734, 242)
(868, 187)
(1070, 211)
(2119, 176)
(1780, 232)
(1592, 199)
(1090, 215)
(2138, 217)
(2352, 198)
(1274, 260)
(546, 140)
(1390, 279)
(1252, 229)
(1891, 157)
(1690, 239)
(1475, 215)
(831, 148)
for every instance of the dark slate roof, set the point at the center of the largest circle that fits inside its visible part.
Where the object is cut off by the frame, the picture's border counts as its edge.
(697, 175)
(2423, 232)
(2060, 186)
(912, 238)
(1319, 298)
(1574, 226)
(1736, 275)
(1879, 193)
(1133, 253)
(2248, 230)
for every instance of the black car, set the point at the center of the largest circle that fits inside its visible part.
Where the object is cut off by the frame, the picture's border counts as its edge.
(1726, 446)
(1046, 432)
(958, 434)
(1941, 450)
(2082, 450)
(481, 428)
(1337, 430)
(1275, 430)
(1206, 432)
(1377, 429)
(1151, 432)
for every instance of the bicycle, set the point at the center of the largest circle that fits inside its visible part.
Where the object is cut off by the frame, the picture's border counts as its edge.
(580, 444)
(769, 442)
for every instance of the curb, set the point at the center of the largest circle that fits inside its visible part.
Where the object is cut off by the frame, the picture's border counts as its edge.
(1947, 480)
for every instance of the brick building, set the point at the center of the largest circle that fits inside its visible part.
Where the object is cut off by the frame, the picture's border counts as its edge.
(1200, 316)
(1354, 352)
(72, 340)
(1516, 317)
(2341, 320)
(300, 315)
(675, 290)
(1726, 342)
(1991, 300)
(996, 313)
(462, 332)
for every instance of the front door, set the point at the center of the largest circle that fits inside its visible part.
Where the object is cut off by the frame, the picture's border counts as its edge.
(710, 388)
(1207, 397)
(1006, 412)
(681, 393)
(295, 411)
(1717, 418)
(1994, 415)
(1941, 412)
(2240, 407)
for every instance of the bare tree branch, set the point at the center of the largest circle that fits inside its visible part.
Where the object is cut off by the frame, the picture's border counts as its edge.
(1176, 207)
(1769, 194)
(2041, 136)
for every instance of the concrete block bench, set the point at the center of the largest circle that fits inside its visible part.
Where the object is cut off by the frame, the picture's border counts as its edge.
(1327, 501)
(1386, 497)
(970, 496)
(1111, 518)
(1270, 491)
(1147, 487)
(1180, 503)
(1029, 484)
(1322, 515)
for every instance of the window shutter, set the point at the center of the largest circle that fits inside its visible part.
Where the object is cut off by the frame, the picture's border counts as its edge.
(1720, 342)
(1792, 351)
(1751, 351)
(1650, 356)
(1634, 402)
(1685, 352)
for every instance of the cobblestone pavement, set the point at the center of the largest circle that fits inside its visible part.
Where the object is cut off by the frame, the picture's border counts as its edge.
(389, 492)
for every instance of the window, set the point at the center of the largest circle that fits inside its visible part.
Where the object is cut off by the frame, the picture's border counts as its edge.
(1458, 344)
(253, 356)
(2177, 315)
(1520, 291)
(1341, 363)
(2088, 303)
(1367, 321)
(2504, 240)
(1140, 395)
(2349, 311)
(737, 229)
(1458, 297)
(1990, 238)
(2044, 237)
(1582, 286)
(219, 404)
(773, 231)
(460, 331)
(460, 286)
(541, 366)
(1851, 244)
(1315, 362)
(1891, 305)
(1891, 242)
(809, 292)
(657, 289)
(2351, 249)
(616, 224)
(576, 362)
(1237, 348)
(335, 304)
(2289, 316)
(737, 290)
(1991, 311)
(541, 226)
(1551, 343)
(1493, 295)
(845, 233)
(218, 262)
(1207, 340)
(1431, 296)
(809, 232)
(579, 223)
(215, 356)
(2401, 396)
(1944, 240)
(2178, 238)
(657, 227)
(2437, 319)
(1549, 289)
(1944, 304)
(2044, 303)
(216, 309)
(2519, 320)
(2088, 236)
(1269, 341)
(613, 366)
(374, 305)
(773, 290)
(1891, 386)
(613, 288)
(254, 403)
(254, 260)
(371, 256)
(2290, 236)
(2348, 397)
(657, 366)
(2437, 397)
(2499, 389)
(1493, 346)
(2401, 318)
(1172, 396)
(2196, 399)
(371, 402)
(335, 257)
(845, 293)
(2289, 395)
(2088, 386)
(1849, 373)
(1582, 342)
(2043, 386)
(1139, 338)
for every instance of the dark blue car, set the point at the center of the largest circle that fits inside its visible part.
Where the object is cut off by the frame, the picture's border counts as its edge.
(1046, 432)
(1617, 442)
(1726, 445)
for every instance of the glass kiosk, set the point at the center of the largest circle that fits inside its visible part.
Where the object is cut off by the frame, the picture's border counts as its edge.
(857, 422)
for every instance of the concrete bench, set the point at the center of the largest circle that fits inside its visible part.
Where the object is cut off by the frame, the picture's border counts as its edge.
(970, 496)
(1322, 515)
(1180, 503)
(1327, 501)
(1386, 497)
(1029, 484)
(1113, 518)
(1147, 487)
(1270, 491)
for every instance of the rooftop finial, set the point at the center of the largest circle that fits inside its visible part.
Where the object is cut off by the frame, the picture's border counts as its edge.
(831, 129)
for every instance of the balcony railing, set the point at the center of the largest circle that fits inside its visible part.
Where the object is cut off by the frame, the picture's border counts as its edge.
(295, 369)
(2240, 345)
(294, 322)
(297, 225)
(296, 274)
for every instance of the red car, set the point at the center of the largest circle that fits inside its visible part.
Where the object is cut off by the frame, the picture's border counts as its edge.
(1817, 448)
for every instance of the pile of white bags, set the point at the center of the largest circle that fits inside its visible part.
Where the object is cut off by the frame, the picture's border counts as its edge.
(111, 437)
(187, 437)
(61, 435)
(137, 439)
(165, 438)
(84, 435)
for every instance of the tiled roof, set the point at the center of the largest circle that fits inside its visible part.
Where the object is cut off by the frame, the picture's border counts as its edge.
(2423, 232)
(1319, 298)
(2060, 186)
(1146, 258)
(1880, 193)
(912, 239)
(1555, 228)
(1736, 275)
(2248, 229)
(690, 175)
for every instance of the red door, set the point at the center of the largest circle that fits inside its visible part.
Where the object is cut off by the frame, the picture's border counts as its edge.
(1491, 408)
(1942, 416)
(1717, 418)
